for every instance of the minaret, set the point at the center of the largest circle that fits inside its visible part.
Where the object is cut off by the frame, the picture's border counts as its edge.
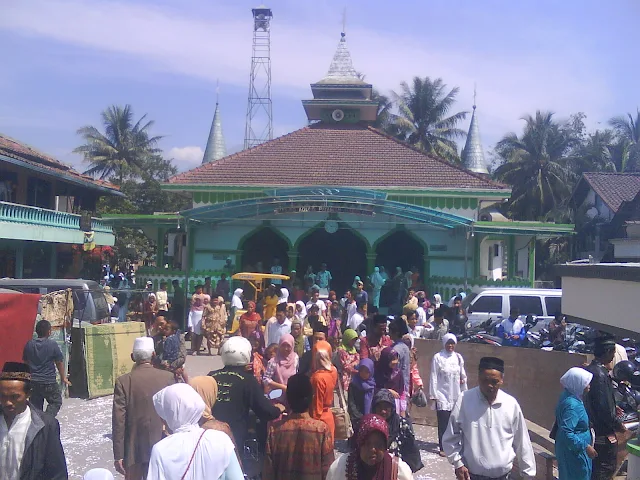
(472, 154)
(216, 148)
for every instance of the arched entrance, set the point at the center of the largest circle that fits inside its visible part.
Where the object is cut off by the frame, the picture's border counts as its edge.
(343, 251)
(400, 249)
(263, 245)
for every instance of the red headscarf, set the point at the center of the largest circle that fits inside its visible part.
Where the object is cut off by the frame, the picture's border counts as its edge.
(355, 466)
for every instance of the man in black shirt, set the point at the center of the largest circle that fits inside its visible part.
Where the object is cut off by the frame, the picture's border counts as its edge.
(601, 407)
(43, 356)
(239, 392)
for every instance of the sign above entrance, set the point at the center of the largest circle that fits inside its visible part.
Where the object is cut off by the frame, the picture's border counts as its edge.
(327, 192)
(312, 206)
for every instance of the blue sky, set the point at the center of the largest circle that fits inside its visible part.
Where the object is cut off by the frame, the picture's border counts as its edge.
(66, 60)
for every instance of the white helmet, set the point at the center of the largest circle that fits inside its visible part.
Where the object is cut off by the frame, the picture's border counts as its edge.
(236, 352)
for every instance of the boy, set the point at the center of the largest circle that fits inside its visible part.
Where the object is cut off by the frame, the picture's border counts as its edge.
(43, 356)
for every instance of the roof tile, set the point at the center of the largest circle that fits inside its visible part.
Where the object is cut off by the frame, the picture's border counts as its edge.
(614, 188)
(337, 155)
(20, 151)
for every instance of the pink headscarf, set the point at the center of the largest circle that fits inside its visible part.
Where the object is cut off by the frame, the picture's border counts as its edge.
(286, 366)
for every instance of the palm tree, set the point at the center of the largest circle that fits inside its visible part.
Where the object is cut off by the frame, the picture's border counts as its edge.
(628, 150)
(122, 149)
(423, 117)
(536, 166)
(597, 154)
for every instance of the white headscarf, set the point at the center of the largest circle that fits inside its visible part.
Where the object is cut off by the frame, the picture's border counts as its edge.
(303, 314)
(98, 474)
(236, 301)
(576, 380)
(449, 337)
(437, 300)
(284, 295)
(181, 407)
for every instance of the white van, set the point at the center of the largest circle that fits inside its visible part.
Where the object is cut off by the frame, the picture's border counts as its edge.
(496, 303)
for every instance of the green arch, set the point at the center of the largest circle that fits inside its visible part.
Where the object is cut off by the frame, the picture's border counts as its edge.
(401, 228)
(260, 228)
(320, 225)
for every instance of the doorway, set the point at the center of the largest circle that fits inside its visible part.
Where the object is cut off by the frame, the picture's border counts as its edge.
(261, 247)
(343, 251)
(400, 249)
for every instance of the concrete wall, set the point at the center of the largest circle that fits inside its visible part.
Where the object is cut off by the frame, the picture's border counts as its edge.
(582, 298)
(532, 376)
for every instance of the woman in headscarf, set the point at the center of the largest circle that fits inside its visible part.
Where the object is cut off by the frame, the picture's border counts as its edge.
(370, 459)
(236, 304)
(360, 397)
(388, 374)
(270, 302)
(377, 282)
(574, 443)
(300, 340)
(402, 440)
(348, 357)
(249, 320)
(447, 382)
(301, 310)
(356, 279)
(281, 367)
(190, 452)
(323, 381)
(214, 322)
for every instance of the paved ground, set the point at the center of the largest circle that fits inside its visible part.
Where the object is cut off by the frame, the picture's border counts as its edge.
(86, 432)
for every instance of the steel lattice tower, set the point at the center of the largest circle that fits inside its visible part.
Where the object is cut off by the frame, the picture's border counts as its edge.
(259, 123)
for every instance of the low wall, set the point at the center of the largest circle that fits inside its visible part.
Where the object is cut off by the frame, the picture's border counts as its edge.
(532, 376)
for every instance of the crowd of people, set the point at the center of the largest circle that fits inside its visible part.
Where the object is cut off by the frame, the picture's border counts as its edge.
(297, 376)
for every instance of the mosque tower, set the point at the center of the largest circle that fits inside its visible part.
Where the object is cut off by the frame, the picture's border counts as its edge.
(472, 154)
(216, 148)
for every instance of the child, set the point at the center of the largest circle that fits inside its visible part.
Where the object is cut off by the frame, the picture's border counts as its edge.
(389, 376)
(360, 396)
(257, 365)
(174, 352)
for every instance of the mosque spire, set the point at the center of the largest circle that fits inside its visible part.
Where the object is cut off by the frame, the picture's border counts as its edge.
(216, 148)
(472, 154)
(341, 69)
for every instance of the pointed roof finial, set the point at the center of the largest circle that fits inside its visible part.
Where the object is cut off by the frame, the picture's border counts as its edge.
(216, 148)
(472, 154)
(341, 70)
(344, 22)
(217, 90)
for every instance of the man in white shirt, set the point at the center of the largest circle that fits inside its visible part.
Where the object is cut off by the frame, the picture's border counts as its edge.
(315, 300)
(487, 430)
(278, 326)
(357, 318)
(421, 312)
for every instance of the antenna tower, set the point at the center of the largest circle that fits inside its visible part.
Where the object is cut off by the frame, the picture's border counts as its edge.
(259, 123)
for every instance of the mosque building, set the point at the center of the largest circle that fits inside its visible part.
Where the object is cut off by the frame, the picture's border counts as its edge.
(343, 192)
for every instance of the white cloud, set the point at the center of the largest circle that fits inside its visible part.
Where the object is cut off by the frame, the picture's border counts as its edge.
(213, 42)
(186, 157)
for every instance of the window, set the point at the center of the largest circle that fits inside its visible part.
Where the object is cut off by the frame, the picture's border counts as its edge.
(489, 304)
(554, 304)
(526, 305)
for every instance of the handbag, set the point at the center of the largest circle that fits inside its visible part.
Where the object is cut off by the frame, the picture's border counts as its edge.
(419, 399)
(184, 475)
(341, 417)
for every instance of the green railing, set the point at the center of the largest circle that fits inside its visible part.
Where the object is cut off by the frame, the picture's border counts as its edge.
(447, 287)
(157, 275)
(12, 212)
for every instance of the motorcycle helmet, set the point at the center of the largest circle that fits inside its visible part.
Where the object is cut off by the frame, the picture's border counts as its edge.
(624, 371)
